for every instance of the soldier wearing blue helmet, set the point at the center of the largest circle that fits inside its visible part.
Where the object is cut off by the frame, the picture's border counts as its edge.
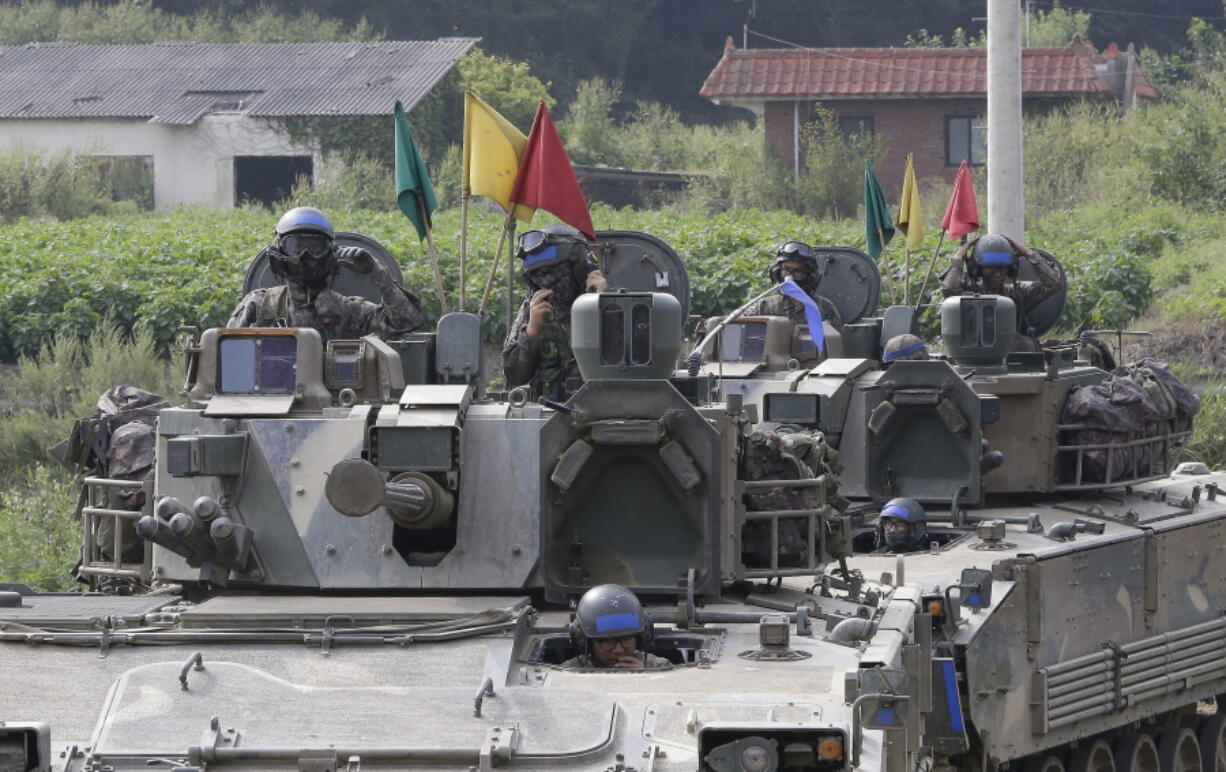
(305, 256)
(988, 265)
(557, 269)
(903, 526)
(610, 630)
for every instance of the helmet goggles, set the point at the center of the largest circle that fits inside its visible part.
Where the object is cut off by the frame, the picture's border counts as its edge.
(539, 248)
(300, 246)
(996, 258)
(796, 249)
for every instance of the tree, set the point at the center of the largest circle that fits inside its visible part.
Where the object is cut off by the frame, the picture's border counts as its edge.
(1058, 26)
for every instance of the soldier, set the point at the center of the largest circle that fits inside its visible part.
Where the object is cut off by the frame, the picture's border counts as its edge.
(903, 527)
(558, 267)
(610, 630)
(796, 260)
(905, 346)
(991, 269)
(306, 257)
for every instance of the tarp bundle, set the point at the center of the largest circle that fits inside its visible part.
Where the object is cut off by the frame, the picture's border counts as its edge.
(1140, 401)
(118, 442)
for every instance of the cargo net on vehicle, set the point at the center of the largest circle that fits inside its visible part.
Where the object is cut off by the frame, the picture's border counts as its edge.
(1128, 428)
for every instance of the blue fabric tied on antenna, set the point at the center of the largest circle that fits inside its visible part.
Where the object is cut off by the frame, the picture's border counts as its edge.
(813, 314)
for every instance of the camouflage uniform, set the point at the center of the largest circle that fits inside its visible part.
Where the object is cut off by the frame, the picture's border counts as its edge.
(334, 315)
(778, 305)
(1025, 294)
(545, 363)
(587, 662)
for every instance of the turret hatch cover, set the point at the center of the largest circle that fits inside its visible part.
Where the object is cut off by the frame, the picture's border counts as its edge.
(850, 280)
(259, 273)
(640, 262)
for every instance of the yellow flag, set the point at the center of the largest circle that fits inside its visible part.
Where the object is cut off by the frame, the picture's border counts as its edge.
(910, 219)
(492, 149)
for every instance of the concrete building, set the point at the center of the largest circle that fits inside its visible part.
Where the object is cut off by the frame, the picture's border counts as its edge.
(927, 101)
(196, 123)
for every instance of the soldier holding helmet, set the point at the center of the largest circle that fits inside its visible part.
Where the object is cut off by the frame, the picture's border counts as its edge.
(305, 256)
(988, 265)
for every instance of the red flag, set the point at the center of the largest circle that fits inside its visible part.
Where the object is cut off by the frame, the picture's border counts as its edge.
(962, 215)
(546, 180)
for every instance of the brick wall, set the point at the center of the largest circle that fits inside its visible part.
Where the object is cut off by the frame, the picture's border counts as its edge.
(908, 126)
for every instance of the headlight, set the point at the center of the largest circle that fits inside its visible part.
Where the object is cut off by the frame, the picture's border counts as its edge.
(748, 754)
(756, 758)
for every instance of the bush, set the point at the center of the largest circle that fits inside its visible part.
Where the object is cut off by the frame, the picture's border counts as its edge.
(36, 184)
(39, 540)
(63, 382)
(1208, 442)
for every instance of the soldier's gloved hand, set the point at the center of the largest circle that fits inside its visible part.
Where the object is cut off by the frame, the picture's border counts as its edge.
(357, 259)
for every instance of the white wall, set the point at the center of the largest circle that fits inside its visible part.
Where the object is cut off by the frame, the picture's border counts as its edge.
(191, 164)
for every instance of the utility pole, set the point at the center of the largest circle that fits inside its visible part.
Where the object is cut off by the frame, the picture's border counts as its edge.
(1006, 194)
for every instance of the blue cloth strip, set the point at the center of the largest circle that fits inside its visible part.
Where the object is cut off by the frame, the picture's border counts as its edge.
(996, 258)
(951, 696)
(610, 622)
(544, 255)
(902, 352)
(813, 314)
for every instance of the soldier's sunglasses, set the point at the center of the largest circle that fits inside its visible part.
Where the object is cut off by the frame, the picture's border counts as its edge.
(301, 245)
(796, 249)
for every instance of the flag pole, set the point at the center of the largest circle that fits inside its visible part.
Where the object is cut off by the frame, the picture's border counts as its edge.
(881, 238)
(489, 280)
(510, 276)
(919, 298)
(438, 275)
(906, 287)
(463, 246)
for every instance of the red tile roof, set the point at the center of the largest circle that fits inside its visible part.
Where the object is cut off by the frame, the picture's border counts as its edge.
(843, 73)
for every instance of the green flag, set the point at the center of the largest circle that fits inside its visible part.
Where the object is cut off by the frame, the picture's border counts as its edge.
(414, 193)
(878, 223)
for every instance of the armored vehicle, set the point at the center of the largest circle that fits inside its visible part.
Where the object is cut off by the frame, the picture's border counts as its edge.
(356, 557)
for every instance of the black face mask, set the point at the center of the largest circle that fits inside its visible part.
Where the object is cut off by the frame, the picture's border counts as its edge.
(560, 279)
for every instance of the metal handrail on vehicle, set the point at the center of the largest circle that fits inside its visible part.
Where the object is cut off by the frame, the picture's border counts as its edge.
(1152, 456)
(816, 535)
(94, 563)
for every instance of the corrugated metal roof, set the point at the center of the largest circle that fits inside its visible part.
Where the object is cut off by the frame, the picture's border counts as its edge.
(833, 73)
(178, 82)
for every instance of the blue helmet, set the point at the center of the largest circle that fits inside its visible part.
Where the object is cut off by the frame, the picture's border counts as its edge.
(305, 219)
(994, 249)
(907, 510)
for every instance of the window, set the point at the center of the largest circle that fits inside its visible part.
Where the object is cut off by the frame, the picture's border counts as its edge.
(127, 177)
(268, 179)
(852, 125)
(965, 140)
